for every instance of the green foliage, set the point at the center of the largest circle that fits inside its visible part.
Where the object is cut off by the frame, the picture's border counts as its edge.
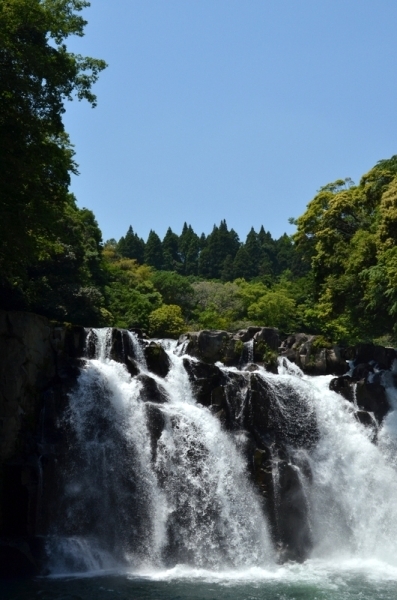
(220, 244)
(274, 309)
(174, 289)
(131, 246)
(154, 251)
(217, 304)
(348, 234)
(266, 355)
(130, 294)
(41, 230)
(321, 342)
(167, 321)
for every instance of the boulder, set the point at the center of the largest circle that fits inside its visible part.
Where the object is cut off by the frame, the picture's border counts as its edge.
(268, 335)
(157, 359)
(245, 335)
(206, 345)
(371, 397)
(151, 390)
(362, 371)
(156, 423)
(120, 345)
(204, 378)
(132, 366)
(214, 346)
(287, 419)
(310, 354)
(292, 514)
(380, 356)
(344, 386)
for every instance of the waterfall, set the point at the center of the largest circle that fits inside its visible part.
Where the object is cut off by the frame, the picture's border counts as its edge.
(152, 482)
(188, 501)
(353, 482)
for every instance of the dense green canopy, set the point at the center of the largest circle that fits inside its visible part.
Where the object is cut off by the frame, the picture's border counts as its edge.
(38, 216)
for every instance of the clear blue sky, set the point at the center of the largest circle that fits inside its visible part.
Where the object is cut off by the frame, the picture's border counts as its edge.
(230, 109)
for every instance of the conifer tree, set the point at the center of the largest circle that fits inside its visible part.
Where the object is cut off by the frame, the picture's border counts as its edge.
(254, 253)
(220, 244)
(171, 257)
(189, 248)
(132, 246)
(154, 251)
(242, 264)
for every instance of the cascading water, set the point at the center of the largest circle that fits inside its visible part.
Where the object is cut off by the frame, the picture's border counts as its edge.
(189, 503)
(152, 484)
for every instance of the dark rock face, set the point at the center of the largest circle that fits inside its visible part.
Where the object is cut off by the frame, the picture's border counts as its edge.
(205, 378)
(370, 353)
(157, 359)
(303, 350)
(343, 386)
(292, 514)
(213, 346)
(372, 398)
(151, 390)
(364, 386)
(120, 345)
(39, 365)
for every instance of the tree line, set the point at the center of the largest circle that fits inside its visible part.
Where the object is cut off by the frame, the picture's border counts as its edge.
(336, 276)
(219, 255)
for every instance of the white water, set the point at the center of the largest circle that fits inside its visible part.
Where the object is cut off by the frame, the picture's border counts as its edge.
(201, 516)
(192, 504)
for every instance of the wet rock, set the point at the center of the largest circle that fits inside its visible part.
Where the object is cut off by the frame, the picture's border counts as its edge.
(245, 335)
(157, 359)
(344, 386)
(206, 345)
(268, 335)
(362, 371)
(292, 518)
(204, 378)
(252, 367)
(287, 417)
(365, 418)
(140, 333)
(380, 356)
(312, 357)
(132, 366)
(156, 423)
(263, 475)
(151, 390)
(371, 397)
(120, 345)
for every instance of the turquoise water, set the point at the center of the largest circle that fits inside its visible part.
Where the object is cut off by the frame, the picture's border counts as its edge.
(310, 581)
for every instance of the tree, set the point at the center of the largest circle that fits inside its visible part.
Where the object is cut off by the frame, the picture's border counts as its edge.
(174, 289)
(254, 252)
(189, 248)
(167, 321)
(154, 251)
(274, 309)
(37, 75)
(171, 257)
(243, 265)
(220, 244)
(347, 235)
(132, 246)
